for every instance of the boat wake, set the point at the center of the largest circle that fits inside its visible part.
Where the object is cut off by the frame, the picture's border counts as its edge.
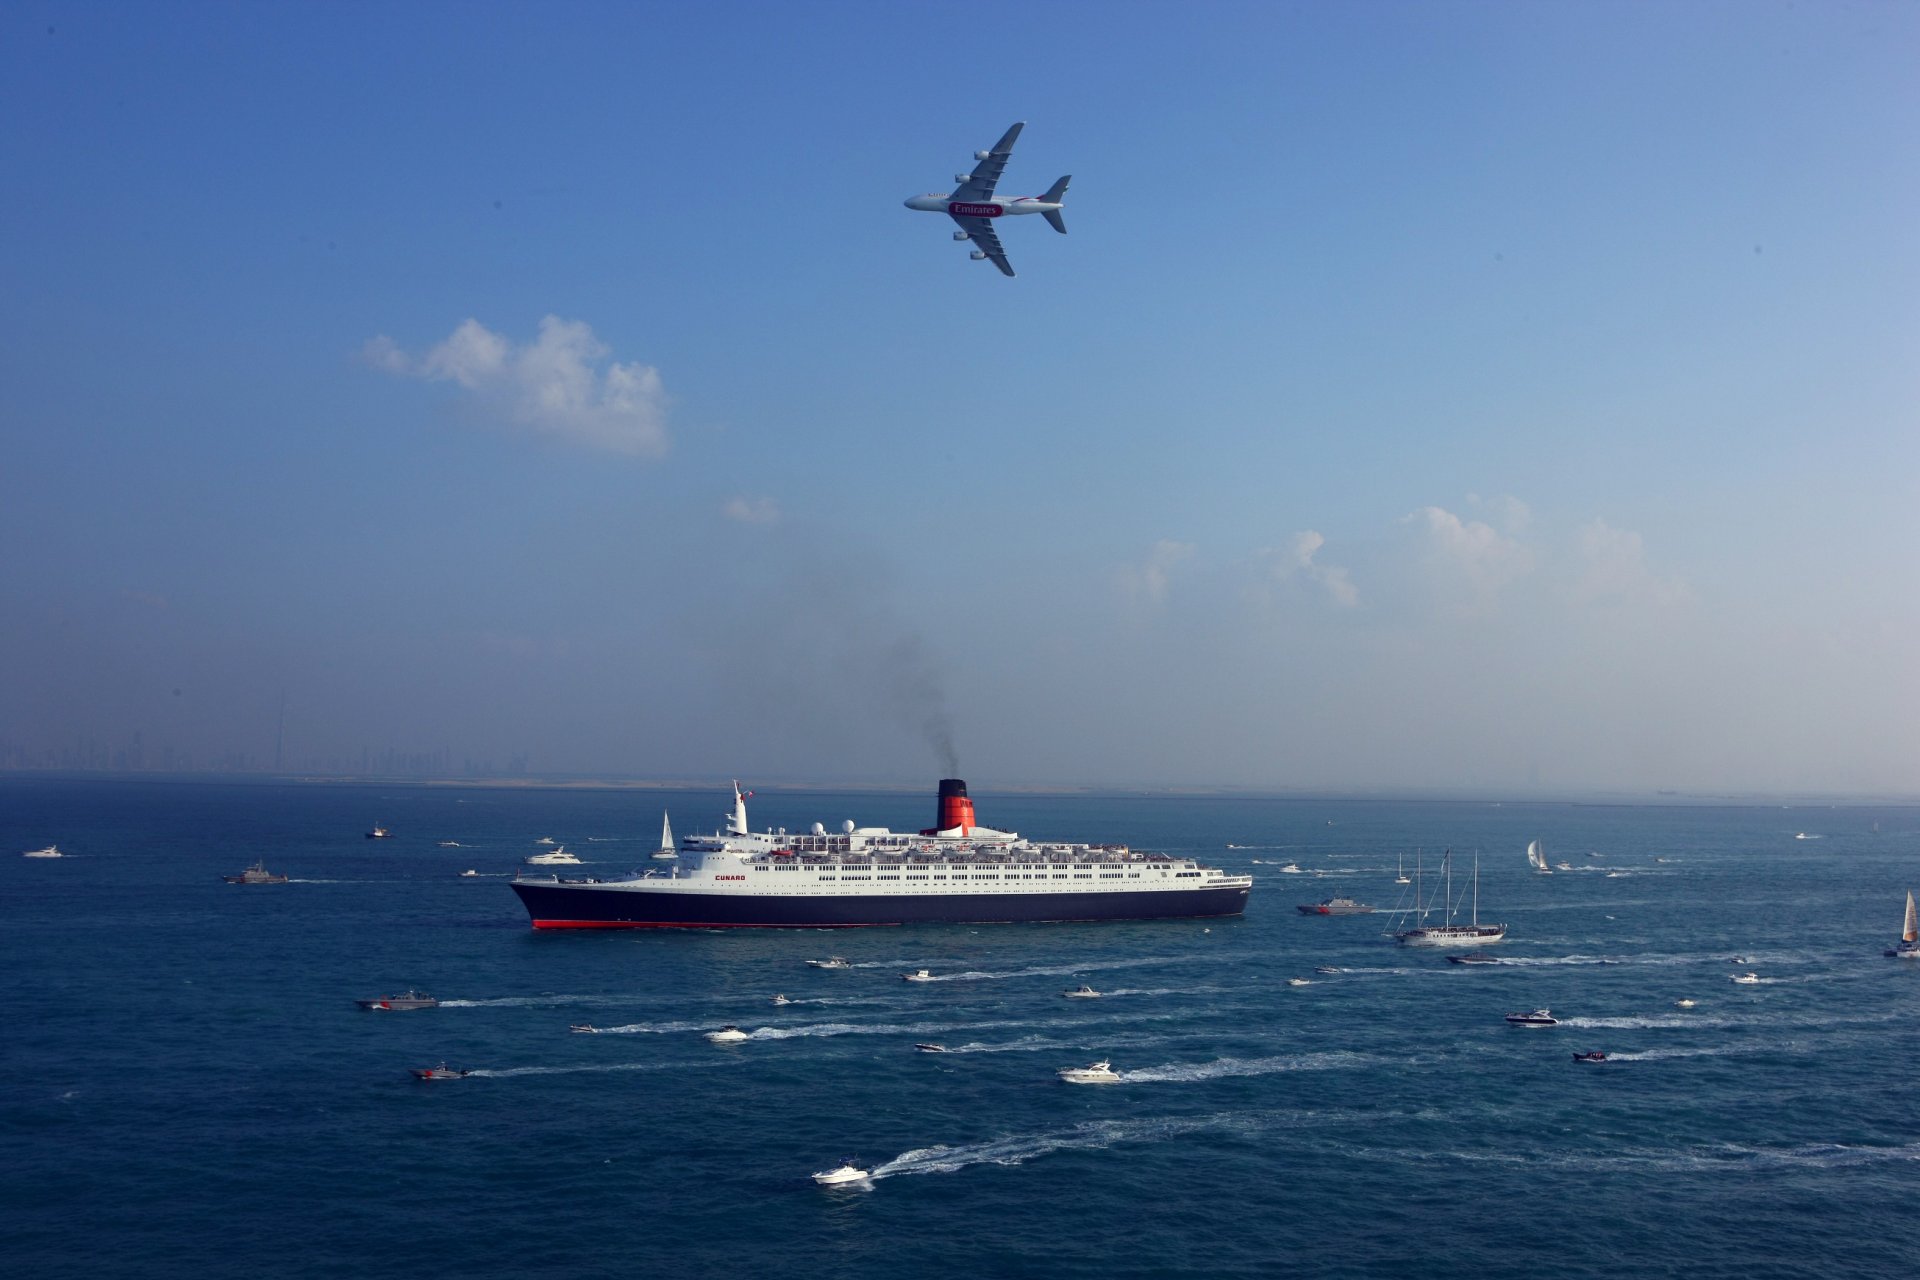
(1038, 971)
(507, 1073)
(1222, 1068)
(1094, 1135)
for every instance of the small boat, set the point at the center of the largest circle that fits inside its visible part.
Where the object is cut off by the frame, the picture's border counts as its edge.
(1804, 836)
(1101, 1072)
(1336, 907)
(1747, 979)
(51, 851)
(847, 1172)
(728, 1034)
(584, 1028)
(449, 844)
(1683, 1003)
(666, 849)
(401, 1003)
(1474, 957)
(1595, 1056)
(379, 833)
(441, 1072)
(1299, 982)
(1325, 968)
(468, 872)
(256, 874)
(781, 1000)
(1537, 1018)
(1081, 992)
(831, 962)
(544, 840)
(1563, 866)
(1292, 869)
(930, 1047)
(1400, 873)
(918, 975)
(1440, 935)
(558, 858)
(1537, 858)
(1908, 947)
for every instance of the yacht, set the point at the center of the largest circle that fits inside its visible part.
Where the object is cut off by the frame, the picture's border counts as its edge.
(51, 851)
(780, 999)
(1293, 869)
(1449, 934)
(1101, 1072)
(666, 849)
(831, 962)
(1400, 871)
(449, 844)
(930, 1047)
(1683, 1003)
(1747, 979)
(1537, 1018)
(469, 872)
(918, 975)
(544, 840)
(379, 833)
(1474, 957)
(256, 874)
(847, 1172)
(1325, 968)
(1081, 992)
(399, 1004)
(558, 858)
(1595, 1056)
(441, 1072)
(1299, 982)
(728, 1034)
(1908, 948)
(584, 1028)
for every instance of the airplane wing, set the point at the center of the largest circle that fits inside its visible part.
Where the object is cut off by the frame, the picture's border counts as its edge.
(986, 175)
(981, 234)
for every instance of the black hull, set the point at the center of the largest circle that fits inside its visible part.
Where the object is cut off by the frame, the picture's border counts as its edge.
(588, 906)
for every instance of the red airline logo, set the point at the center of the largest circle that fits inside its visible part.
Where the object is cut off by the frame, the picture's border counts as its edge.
(960, 210)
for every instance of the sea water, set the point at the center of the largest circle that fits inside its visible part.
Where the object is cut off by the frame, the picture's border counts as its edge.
(189, 1089)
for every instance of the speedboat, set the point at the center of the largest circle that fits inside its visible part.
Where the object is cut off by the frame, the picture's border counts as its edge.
(256, 874)
(399, 1004)
(379, 833)
(728, 1034)
(558, 858)
(1298, 982)
(847, 1172)
(1474, 957)
(930, 1047)
(441, 1072)
(1747, 979)
(1101, 1072)
(544, 840)
(1081, 992)
(831, 962)
(1537, 1018)
(468, 872)
(918, 975)
(585, 1028)
(781, 1000)
(449, 844)
(1683, 1003)
(1292, 869)
(51, 851)
(1563, 866)
(1324, 968)
(1595, 1056)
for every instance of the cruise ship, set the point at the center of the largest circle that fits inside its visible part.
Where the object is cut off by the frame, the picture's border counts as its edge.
(955, 872)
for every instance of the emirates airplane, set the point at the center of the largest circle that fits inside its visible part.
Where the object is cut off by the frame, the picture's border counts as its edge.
(973, 206)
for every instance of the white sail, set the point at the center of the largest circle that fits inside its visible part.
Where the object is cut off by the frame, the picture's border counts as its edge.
(1537, 858)
(666, 834)
(1912, 932)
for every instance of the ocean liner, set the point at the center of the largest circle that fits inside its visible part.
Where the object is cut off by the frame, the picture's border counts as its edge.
(955, 872)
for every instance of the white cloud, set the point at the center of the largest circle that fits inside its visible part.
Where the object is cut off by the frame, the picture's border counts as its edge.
(1147, 582)
(1613, 566)
(555, 385)
(751, 510)
(1471, 551)
(1505, 511)
(1297, 558)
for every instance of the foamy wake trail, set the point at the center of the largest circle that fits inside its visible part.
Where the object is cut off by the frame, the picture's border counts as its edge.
(1657, 1023)
(1220, 1068)
(1706, 1051)
(654, 1028)
(1030, 1044)
(1039, 971)
(1020, 1148)
(502, 1073)
(527, 1002)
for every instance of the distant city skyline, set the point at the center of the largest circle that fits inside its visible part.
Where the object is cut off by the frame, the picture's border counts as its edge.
(1472, 397)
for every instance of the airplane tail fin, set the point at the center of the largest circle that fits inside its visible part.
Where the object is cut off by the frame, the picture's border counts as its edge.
(1055, 194)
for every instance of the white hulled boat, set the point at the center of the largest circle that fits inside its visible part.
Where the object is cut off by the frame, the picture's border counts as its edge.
(1537, 858)
(1101, 1072)
(558, 858)
(1909, 947)
(51, 851)
(666, 849)
(1450, 934)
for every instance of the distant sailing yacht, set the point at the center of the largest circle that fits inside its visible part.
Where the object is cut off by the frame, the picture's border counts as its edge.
(1447, 935)
(1537, 858)
(1909, 948)
(1401, 878)
(666, 849)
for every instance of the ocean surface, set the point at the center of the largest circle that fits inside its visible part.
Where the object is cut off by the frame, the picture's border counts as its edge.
(189, 1089)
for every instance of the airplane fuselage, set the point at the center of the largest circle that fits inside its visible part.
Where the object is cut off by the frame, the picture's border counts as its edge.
(998, 207)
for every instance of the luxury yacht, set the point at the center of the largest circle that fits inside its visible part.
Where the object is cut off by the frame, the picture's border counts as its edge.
(1101, 1072)
(728, 1034)
(1537, 1018)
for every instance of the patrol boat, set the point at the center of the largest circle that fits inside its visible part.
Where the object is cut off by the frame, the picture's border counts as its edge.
(955, 872)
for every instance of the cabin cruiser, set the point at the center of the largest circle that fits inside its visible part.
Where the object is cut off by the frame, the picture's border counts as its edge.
(256, 874)
(441, 1072)
(930, 1047)
(1537, 1018)
(1299, 982)
(1101, 1072)
(399, 1004)
(918, 975)
(558, 858)
(1292, 869)
(1683, 1003)
(847, 1172)
(469, 872)
(51, 851)
(544, 840)
(780, 999)
(1595, 1056)
(728, 1034)
(1081, 992)
(831, 962)
(1747, 979)
(379, 833)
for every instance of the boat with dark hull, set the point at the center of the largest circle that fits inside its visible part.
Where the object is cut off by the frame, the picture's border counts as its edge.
(1335, 907)
(956, 872)
(256, 874)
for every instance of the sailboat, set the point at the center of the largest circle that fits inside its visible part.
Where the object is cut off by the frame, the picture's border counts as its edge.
(1401, 877)
(1909, 948)
(1448, 935)
(666, 849)
(1537, 858)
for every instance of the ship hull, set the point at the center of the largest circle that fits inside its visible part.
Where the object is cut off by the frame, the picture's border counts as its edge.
(564, 906)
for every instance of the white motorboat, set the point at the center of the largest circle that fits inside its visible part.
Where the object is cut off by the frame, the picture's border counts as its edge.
(1327, 968)
(51, 851)
(1536, 1018)
(1683, 1003)
(847, 1172)
(468, 872)
(666, 849)
(1563, 866)
(831, 962)
(1081, 992)
(728, 1034)
(918, 975)
(1101, 1072)
(930, 1047)
(781, 1000)
(1293, 869)
(544, 840)
(558, 858)
(1747, 979)
(1908, 948)
(584, 1028)
(1299, 982)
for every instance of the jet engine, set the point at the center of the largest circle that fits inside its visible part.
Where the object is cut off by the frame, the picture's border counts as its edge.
(961, 235)
(962, 177)
(979, 255)
(983, 155)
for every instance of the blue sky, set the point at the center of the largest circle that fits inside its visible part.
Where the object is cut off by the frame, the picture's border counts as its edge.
(1494, 396)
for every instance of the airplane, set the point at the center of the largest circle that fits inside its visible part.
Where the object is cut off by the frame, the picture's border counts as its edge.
(972, 204)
